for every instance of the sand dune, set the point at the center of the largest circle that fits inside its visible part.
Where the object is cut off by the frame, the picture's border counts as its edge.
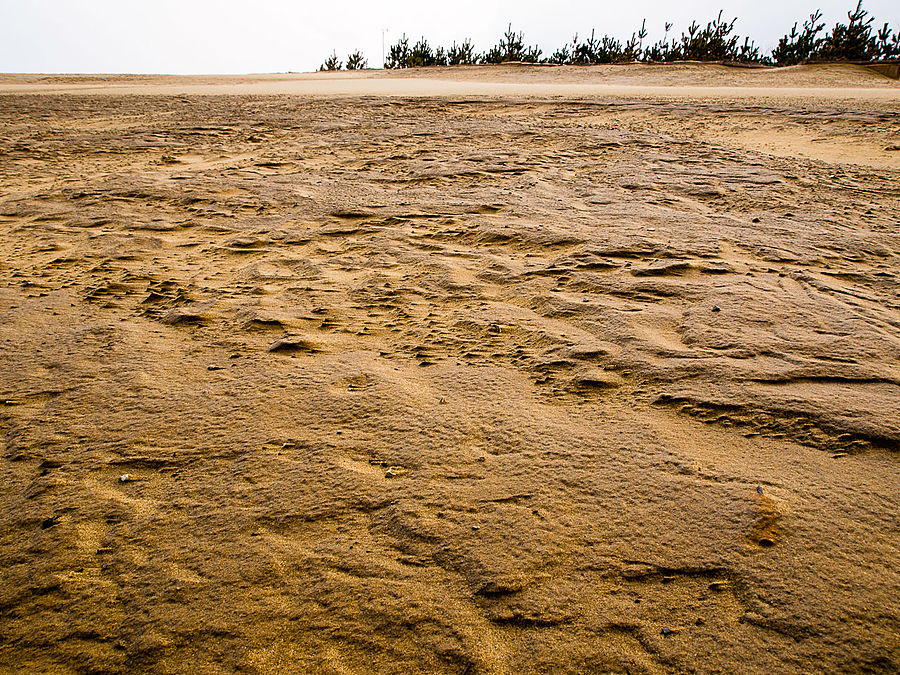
(652, 81)
(472, 371)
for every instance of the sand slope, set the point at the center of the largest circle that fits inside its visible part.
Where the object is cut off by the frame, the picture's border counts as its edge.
(676, 80)
(450, 384)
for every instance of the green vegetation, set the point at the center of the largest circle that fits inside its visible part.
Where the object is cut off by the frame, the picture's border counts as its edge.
(464, 55)
(331, 63)
(356, 61)
(511, 48)
(421, 54)
(797, 47)
(855, 40)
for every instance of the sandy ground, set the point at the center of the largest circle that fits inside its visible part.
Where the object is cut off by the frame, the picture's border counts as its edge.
(471, 371)
(676, 81)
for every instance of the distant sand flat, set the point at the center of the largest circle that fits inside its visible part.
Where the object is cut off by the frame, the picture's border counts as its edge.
(666, 81)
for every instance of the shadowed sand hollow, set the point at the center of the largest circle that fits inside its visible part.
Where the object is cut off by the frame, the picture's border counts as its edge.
(497, 370)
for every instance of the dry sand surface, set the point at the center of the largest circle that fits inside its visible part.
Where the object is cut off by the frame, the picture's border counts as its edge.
(500, 370)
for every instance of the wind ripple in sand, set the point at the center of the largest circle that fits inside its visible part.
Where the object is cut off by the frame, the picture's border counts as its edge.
(447, 386)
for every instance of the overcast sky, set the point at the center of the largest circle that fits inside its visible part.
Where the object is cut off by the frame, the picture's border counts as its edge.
(227, 36)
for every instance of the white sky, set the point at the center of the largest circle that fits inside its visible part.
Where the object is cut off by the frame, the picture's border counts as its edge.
(227, 36)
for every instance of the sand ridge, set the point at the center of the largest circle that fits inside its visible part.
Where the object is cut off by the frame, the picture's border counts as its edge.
(684, 80)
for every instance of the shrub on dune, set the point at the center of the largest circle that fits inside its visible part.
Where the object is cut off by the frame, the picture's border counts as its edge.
(856, 40)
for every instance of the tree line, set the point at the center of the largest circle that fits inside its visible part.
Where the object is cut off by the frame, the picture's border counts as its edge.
(857, 40)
